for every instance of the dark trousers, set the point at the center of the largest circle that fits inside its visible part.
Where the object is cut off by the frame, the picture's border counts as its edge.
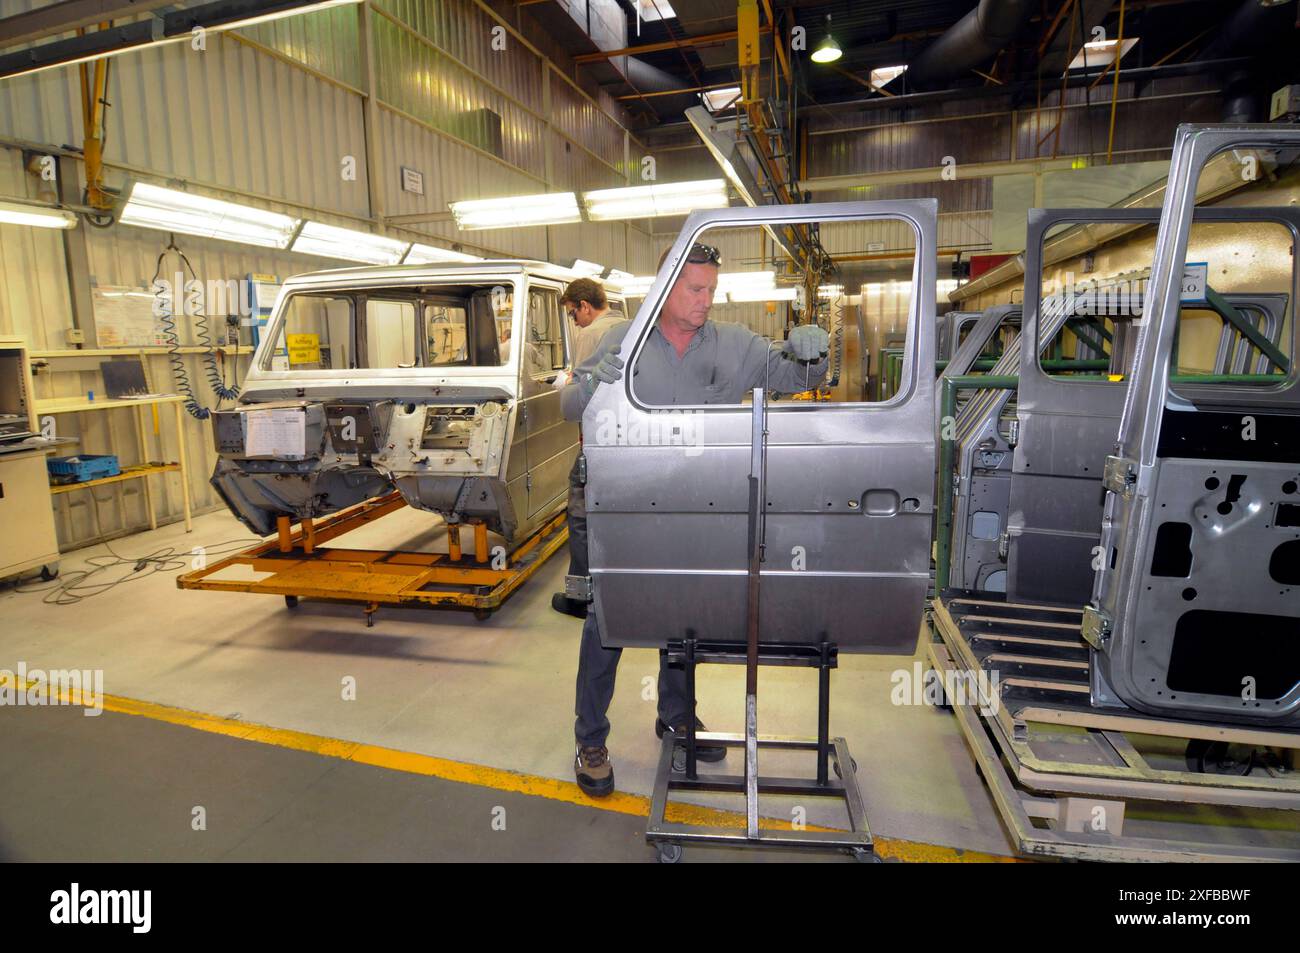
(577, 523)
(597, 667)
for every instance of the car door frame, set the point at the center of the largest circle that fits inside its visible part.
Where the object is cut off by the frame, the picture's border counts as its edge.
(667, 528)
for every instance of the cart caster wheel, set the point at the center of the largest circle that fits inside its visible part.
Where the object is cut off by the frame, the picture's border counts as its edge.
(679, 760)
(865, 856)
(50, 573)
(839, 773)
(291, 602)
(481, 614)
(670, 853)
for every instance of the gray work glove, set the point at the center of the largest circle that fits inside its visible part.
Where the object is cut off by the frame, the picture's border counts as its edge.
(608, 370)
(807, 342)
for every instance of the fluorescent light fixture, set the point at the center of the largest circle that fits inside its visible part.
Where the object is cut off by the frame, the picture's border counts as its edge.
(549, 208)
(650, 201)
(884, 75)
(152, 206)
(346, 244)
(1100, 53)
(65, 54)
(736, 295)
(36, 216)
(587, 269)
(636, 286)
(427, 254)
(746, 279)
(719, 99)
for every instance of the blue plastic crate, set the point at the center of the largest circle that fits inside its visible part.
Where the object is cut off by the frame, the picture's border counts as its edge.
(83, 467)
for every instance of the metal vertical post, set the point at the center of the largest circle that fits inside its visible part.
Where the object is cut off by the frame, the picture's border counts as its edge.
(757, 495)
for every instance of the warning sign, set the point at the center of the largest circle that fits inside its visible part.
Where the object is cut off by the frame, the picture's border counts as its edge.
(303, 349)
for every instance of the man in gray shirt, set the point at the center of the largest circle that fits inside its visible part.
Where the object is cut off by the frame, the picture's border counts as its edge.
(687, 359)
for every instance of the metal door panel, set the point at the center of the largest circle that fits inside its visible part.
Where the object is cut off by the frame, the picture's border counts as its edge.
(1134, 629)
(663, 562)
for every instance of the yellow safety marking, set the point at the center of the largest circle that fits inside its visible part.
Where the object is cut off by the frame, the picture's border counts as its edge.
(499, 779)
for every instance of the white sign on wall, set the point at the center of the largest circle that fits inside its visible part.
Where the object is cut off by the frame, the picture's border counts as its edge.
(1196, 278)
(412, 181)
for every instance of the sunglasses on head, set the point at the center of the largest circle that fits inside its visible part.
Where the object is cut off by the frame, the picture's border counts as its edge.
(701, 254)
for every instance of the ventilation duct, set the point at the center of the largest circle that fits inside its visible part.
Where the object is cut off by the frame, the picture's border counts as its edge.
(974, 40)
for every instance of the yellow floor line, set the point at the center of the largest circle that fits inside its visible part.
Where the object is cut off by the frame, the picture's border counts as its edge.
(498, 779)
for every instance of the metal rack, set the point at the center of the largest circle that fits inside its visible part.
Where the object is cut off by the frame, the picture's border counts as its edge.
(1074, 781)
(677, 763)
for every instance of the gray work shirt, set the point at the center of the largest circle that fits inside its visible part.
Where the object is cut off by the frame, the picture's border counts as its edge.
(721, 365)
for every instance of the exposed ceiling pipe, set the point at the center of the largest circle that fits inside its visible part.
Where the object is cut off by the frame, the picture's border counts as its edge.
(1253, 28)
(1253, 23)
(974, 40)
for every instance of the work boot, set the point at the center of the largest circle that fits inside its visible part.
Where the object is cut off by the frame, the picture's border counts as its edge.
(594, 772)
(562, 603)
(703, 752)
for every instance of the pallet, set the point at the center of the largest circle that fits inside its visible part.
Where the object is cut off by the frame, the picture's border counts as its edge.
(301, 567)
(1078, 782)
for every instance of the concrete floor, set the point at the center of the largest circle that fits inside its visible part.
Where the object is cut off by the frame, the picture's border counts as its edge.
(497, 692)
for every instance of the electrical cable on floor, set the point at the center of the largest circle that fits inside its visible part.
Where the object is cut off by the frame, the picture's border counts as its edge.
(71, 587)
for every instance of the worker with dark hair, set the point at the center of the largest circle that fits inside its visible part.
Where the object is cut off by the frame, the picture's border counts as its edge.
(679, 363)
(586, 305)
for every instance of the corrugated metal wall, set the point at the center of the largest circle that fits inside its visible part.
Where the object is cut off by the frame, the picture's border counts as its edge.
(268, 116)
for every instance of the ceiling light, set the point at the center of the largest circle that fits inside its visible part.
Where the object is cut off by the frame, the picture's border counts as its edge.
(170, 210)
(649, 201)
(828, 51)
(550, 208)
(637, 285)
(1100, 53)
(36, 216)
(329, 241)
(161, 27)
(719, 99)
(428, 254)
(746, 279)
(736, 295)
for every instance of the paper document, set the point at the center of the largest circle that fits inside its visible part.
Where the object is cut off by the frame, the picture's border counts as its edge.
(275, 433)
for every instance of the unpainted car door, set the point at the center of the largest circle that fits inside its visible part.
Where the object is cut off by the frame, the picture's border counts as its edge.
(1196, 608)
(849, 487)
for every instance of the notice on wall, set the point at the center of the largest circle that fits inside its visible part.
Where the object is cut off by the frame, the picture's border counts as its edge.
(303, 349)
(124, 318)
(275, 433)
